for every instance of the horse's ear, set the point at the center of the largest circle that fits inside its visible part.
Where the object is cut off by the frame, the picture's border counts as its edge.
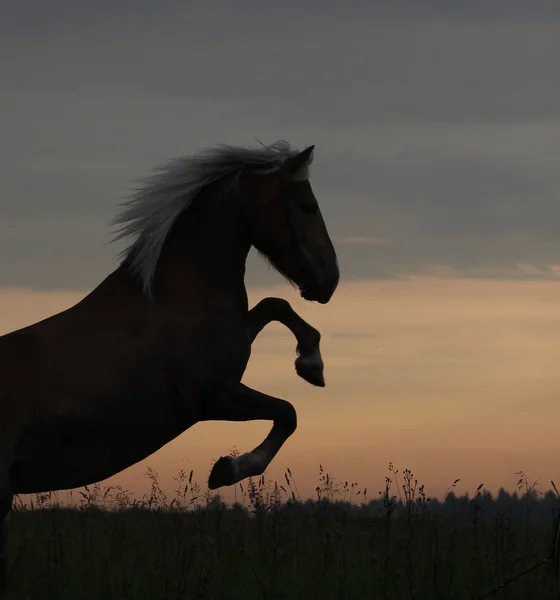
(299, 163)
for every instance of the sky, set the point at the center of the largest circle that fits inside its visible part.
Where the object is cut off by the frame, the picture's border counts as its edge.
(437, 128)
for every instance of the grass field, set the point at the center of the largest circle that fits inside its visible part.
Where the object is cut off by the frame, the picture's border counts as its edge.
(271, 545)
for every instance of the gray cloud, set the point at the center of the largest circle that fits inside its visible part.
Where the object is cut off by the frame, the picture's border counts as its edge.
(336, 72)
(38, 16)
(436, 125)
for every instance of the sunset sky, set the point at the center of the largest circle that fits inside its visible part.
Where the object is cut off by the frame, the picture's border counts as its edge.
(437, 133)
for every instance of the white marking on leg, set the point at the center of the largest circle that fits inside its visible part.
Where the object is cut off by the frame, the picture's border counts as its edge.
(251, 463)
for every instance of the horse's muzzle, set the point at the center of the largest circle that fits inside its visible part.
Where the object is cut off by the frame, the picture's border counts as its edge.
(321, 286)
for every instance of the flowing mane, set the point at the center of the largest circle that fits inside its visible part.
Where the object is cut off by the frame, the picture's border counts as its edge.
(148, 214)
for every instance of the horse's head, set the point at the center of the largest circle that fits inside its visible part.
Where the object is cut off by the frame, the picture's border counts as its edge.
(286, 226)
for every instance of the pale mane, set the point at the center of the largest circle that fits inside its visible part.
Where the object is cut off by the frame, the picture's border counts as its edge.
(147, 215)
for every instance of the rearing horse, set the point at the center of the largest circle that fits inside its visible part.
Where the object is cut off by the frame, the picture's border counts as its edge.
(163, 342)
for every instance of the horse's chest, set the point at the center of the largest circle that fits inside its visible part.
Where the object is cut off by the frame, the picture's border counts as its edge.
(223, 355)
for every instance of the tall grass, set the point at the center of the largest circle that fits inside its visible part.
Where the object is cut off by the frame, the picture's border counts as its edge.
(103, 543)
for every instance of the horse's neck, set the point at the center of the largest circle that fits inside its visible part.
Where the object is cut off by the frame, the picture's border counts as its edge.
(203, 260)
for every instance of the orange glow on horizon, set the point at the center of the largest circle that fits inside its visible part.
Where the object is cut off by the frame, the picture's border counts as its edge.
(451, 378)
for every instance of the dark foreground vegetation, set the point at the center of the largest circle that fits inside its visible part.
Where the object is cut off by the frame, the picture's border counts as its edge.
(271, 545)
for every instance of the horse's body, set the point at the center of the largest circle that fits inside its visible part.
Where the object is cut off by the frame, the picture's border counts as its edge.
(117, 423)
(163, 342)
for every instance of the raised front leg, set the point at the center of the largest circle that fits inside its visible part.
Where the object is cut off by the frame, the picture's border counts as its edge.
(309, 363)
(241, 403)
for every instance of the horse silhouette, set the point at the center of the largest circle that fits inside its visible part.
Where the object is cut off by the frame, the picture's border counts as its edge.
(162, 343)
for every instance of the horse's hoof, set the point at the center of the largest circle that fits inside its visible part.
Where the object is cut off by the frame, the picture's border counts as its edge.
(310, 370)
(223, 473)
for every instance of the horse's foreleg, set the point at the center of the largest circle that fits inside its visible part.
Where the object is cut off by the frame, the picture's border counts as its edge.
(240, 403)
(309, 363)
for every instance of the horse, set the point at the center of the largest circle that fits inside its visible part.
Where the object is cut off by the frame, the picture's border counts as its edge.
(163, 341)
